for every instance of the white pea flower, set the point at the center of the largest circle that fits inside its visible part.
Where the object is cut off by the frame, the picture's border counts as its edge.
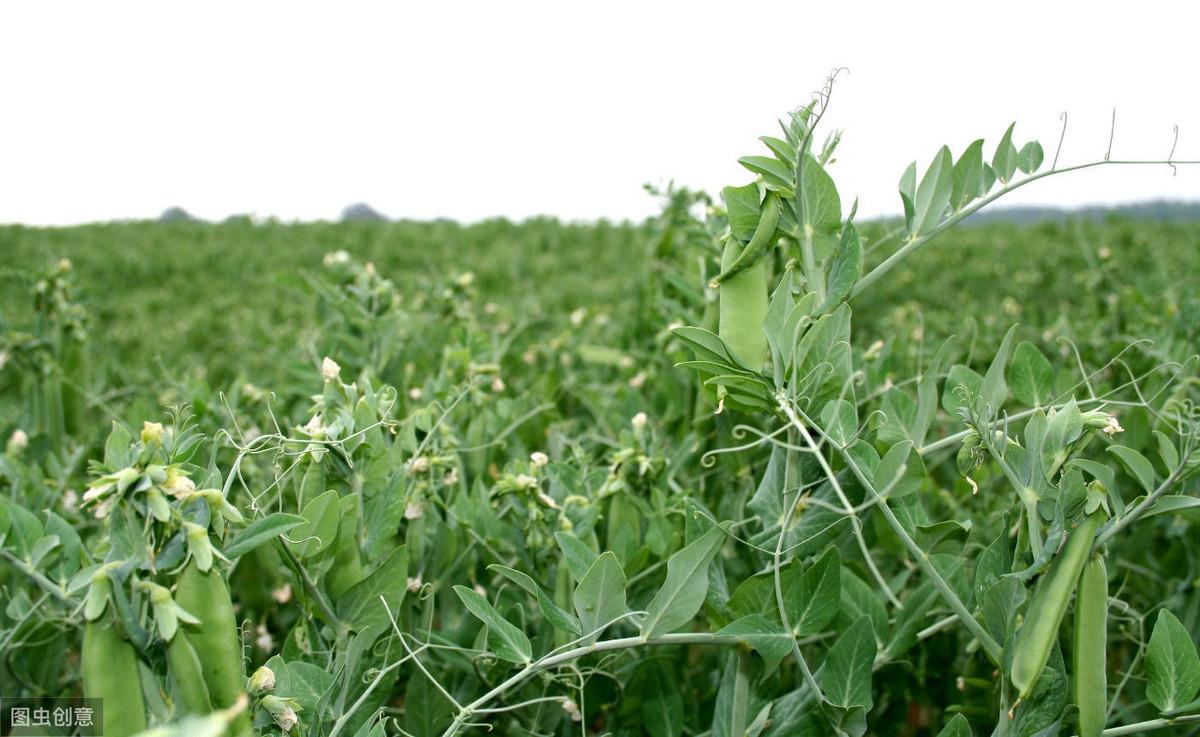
(414, 394)
(1112, 427)
(329, 369)
(451, 477)
(480, 590)
(873, 352)
(370, 268)
(1105, 252)
(267, 643)
(413, 510)
(414, 584)
(3, 359)
(528, 357)
(491, 308)
(638, 380)
(578, 316)
(283, 594)
(639, 421)
(64, 265)
(626, 362)
(420, 464)
(538, 458)
(333, 258)
(465, 279)
(497, 385)
(525, 481)
(263, 679)
(70, 500)
(18, 442)
(152, 432)
(572, 710)
(315, 428)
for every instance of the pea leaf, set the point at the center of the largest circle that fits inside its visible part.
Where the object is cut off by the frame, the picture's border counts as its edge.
(504, 639)
(1031, 376)
(578, 556)
(260, 531)
(933, 194)
(1172, 665)
(813, 602)
(319, 528)
(766, 636)
(845, 677)
(969, 181)
(600, 595)
(1030, 157)
(846, 268)
(662, 706)
(554, 614)
(1136, 464)
(1004, 162)
(958, 726)
(363, 605)
(682, 594)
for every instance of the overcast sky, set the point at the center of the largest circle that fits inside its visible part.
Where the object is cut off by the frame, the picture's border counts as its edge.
(469, 110)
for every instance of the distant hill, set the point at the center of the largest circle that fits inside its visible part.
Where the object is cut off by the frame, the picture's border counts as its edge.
(361, 211)
(1157, 210)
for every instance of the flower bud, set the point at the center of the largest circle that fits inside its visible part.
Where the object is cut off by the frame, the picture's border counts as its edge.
(261, 681)
(152, 432)
(17, 442)
(329, 369)
(539, 459)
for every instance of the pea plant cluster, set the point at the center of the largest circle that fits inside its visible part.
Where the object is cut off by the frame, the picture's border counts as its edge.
(733, 510)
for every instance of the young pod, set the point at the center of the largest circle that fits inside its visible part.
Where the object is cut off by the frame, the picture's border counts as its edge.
(1091, 631)
(744, 309)
(187, 677)
(110, 672)
(215, 640)
(1036, 639)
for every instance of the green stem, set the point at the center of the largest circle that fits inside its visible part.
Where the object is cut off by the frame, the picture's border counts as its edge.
(1151, 724)
(741, 695)
(552, 660)
(915, 243)
(1132, 515)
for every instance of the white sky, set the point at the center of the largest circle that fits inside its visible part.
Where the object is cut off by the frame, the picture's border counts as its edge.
(468, 110)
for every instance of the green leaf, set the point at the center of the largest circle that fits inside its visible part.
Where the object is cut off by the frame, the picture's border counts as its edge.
(554, 614)
(814, 601)
(776, 175)
(846, 268)
(743, 206)
(993, 392)
(261, 531)
(682, 593)
(845, 677)
(363, 605)
(908, 194)
(1004, 162)
(600, 595)
(319, 528)
(819, 197)
(662, 706)
(1136, 464)
(1031, 376)
(958, 726)
(933, 194)
(839, 419)
(1172, 665)
(504, 639)
(1030, 157)
(767, 637)
(578, 556)
(969, 182)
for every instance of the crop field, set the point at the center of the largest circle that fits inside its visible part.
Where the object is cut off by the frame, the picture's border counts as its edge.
(748, 469)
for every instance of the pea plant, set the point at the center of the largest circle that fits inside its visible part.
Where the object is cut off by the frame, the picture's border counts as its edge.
(729, 515)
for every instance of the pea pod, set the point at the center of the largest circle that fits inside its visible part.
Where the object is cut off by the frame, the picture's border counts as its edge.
(187, 677)
(1045, 613)
(110, 672)
(744, 309)
(1091, 631)
(764, 235)
(215, 639)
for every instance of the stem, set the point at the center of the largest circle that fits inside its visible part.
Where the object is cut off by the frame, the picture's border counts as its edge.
(993, 648)
(816, 281)
(1132, 515)
(1151, 724)
(914, 243)
(549, 661)
(315, 592)
(46, 584)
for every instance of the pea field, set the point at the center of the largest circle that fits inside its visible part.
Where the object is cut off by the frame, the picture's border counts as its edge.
(751, 468)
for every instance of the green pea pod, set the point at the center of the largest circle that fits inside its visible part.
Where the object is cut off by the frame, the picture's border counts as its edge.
(187, 677)
(215, 639)
(764, 236)
(1045, 613)
(744, 309)
(347, 562)
(1091, 631)
(110, 672)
